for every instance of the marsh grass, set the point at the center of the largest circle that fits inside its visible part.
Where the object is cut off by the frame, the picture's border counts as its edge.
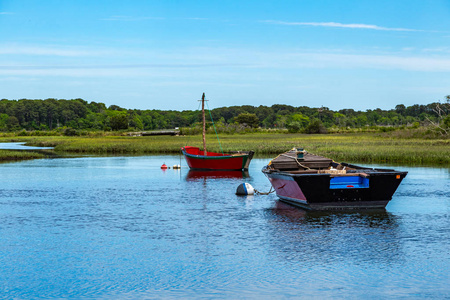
(10, 155)
(364, 147)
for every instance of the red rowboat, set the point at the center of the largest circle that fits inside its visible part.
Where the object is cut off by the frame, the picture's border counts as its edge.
(197, 160)
(204, 160)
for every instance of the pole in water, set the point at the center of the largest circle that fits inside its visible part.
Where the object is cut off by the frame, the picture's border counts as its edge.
(245, 189)
(204, 124)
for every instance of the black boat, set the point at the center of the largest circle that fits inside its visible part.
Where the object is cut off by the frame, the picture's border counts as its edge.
(318, 183)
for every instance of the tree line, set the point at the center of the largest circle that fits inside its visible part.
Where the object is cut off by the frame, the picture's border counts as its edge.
(78, 114)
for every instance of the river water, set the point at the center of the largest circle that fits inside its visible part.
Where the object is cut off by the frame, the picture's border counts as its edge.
(122, 228)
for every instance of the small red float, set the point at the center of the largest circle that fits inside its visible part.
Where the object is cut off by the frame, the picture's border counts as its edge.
(164, 167)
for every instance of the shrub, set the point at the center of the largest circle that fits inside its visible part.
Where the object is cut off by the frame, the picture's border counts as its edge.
(70, 132)
(316, 126)
(446, 122)
(22, 133)
(294, 127)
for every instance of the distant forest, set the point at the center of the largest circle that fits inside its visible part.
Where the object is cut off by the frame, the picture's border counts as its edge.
(78, 114)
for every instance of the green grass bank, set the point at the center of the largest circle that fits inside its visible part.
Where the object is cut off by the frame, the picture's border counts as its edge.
(364, 147)
(10, 155)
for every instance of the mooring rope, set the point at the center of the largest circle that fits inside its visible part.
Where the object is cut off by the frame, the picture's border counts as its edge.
(261, 193)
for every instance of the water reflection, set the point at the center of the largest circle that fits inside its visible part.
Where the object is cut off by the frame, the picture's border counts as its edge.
(120, 227)
(357, 236)
(368, 217)
(193, 175)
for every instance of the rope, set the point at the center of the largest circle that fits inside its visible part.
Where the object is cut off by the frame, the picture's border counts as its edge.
(261, 193)
(214, 127)
(299, 164)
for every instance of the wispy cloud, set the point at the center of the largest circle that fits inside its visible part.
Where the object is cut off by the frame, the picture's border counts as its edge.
(130, 18)
(224, 60)
(123, 66)
(199, 19)
(61, 51)
(42, 51)
(111, 70)
(340, 25)
(438, 49)
(6, 13)
(368, 61)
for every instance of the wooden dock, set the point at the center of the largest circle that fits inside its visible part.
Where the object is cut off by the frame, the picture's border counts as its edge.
(156, 132)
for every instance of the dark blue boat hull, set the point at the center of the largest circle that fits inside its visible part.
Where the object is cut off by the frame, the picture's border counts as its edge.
(374, 189)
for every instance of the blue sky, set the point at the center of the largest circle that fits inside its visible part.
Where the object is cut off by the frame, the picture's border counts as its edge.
(165, 54)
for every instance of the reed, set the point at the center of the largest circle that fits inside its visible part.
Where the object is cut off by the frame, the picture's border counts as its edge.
(364, 147)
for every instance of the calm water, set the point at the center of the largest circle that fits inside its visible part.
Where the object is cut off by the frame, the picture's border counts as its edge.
(121, 228)
(21, 146)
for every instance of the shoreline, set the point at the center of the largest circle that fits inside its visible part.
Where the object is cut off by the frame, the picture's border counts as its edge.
(362, 148)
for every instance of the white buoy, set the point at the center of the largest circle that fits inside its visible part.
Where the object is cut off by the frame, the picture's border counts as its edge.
(176, 167)
(245, 189)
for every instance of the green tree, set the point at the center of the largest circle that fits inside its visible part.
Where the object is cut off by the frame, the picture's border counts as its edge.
(136, 122)
(339, 119)
(12, 123)
(3, 121)
(300, 118)
(400, 109)
(118, 120)
(297, 122)
(248, 119)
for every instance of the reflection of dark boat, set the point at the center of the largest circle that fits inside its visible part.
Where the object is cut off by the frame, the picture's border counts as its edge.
(318, 183)
(193, 174)
(376, 217)
(205, 160)
(286, 212)
(318, 236)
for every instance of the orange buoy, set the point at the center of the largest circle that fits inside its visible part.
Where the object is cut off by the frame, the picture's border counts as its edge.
(164, 167)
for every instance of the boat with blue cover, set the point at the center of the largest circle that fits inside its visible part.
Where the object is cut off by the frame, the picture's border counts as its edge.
(319, 183)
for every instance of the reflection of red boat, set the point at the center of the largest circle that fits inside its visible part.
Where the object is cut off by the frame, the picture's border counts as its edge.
(204, 160)
(197, 160)
(216, 174)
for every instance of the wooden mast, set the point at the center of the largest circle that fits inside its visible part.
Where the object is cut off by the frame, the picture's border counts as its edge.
(204, 125)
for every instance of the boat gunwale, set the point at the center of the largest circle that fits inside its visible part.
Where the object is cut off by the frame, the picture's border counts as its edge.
(223, 156)
(315, 172)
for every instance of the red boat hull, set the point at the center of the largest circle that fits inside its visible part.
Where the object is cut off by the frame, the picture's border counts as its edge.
(196, 159)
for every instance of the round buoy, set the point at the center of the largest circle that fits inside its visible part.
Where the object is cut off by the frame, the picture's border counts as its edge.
(245, 189)
(164, 167)
(176, 167)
